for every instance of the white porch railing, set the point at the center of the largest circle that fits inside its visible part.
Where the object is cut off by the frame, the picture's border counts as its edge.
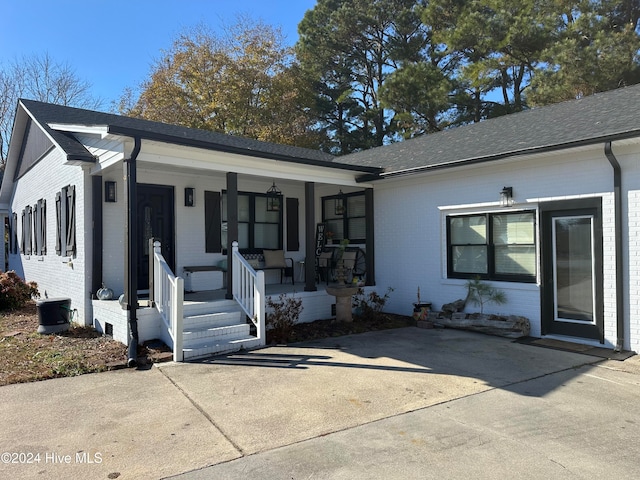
(249, 291)
(167, 292)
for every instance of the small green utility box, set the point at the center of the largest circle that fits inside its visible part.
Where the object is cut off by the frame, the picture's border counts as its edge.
(53, 314)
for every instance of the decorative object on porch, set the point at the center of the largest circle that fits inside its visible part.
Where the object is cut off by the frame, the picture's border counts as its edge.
(104, 293)
(421, 311)
(339, 205)
(329, 236)
(110, 190)
(274, 198)
(189, 197)
(506, 197)
(342, 292)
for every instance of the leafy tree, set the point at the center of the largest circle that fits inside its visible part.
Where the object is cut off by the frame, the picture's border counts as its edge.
(243, 82)
(347, 49)
(38, 77)
(495, 46)
(596, 49)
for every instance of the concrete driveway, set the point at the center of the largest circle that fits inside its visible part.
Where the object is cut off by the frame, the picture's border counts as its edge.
(405, 403)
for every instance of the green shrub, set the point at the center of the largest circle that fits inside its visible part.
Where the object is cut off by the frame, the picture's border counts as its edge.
(370, 305)
(284, 315)
(14, 292)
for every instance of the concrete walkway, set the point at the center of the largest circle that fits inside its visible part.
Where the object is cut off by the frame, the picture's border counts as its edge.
(406, 403)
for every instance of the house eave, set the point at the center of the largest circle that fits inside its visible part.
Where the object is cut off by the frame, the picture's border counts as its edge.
(190, 142)
(634, 134)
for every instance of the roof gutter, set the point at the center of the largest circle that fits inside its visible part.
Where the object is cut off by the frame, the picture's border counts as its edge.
(617, 198)
(131, 251)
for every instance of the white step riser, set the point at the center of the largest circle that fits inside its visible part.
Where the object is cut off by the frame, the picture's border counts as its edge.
(221, 347)
(219, 334)
(221, 319)
(200, 308)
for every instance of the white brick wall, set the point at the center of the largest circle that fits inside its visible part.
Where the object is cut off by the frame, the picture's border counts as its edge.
(57, 276)
(410, 224)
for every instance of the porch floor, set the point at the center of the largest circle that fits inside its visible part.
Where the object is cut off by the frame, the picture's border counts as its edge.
(272, 289)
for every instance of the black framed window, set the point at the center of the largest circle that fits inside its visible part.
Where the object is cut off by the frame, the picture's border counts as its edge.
(345, 216)
(258, 228)
(494, 246)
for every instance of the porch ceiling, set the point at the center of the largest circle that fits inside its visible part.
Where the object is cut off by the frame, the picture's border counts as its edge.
(175, 159)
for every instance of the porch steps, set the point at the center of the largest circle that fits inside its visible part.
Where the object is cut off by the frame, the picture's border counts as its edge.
(215, 328)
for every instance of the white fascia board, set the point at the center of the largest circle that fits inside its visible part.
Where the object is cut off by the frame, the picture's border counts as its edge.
(198, 159)
(101, 130)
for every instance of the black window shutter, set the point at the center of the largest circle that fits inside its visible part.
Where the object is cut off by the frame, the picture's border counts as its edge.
(59, 223)
(71, 220)
(43, 226)
(212, 222)
(28, 230)
(293, 225)
(24, 233)
(13, 244)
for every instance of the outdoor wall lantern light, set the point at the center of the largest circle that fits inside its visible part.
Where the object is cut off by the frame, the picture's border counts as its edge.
(339, 209)
(506, 197)
(110, 190)
(273, 199)
(189, 197)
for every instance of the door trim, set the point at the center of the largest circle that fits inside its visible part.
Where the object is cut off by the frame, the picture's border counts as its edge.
(549, 211)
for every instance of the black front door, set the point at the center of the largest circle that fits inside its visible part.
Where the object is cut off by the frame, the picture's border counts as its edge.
(572, 300)
(155, 220)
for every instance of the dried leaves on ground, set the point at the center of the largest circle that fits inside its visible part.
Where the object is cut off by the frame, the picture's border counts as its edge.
(27, 356)
(303, 332)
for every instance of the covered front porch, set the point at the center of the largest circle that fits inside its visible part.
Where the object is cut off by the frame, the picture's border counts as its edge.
(197, 202)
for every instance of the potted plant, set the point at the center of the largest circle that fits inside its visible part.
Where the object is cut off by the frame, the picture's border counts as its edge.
(329, 236)
(421, 309)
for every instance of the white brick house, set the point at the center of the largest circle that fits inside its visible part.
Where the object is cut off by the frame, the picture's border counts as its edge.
(562, 246)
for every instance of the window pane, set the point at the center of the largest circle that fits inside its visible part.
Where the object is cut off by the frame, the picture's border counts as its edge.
(515, 260)
(330, 209)
(355, 206)
(357, 228)
(468, 230)
(266, 236)
(509, 229)
(337, 229)
(243, 235)
(262, 215)
(243, 208)
(469, 259)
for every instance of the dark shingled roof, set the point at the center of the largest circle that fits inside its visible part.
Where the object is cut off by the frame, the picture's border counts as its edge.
(598, 118)
(46, 113)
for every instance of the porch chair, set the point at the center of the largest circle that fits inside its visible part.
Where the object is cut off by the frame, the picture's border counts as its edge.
(275, 260)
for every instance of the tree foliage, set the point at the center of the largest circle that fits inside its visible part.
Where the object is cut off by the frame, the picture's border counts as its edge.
(348, 49)
(595, 48)
(385, 68)
(39, 77)
(242, 82)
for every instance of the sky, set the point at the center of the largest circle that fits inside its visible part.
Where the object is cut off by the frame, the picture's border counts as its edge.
(112, 43)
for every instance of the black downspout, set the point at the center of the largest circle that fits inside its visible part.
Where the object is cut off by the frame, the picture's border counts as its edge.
(617, 198)
(131, 250)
